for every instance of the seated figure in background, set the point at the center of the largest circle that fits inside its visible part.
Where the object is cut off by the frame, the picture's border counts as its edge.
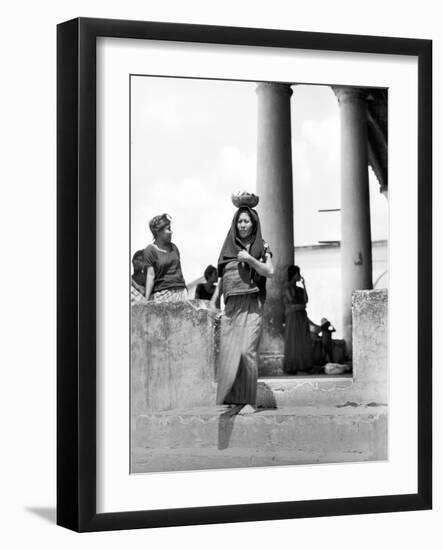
(205, 291)
(326, 339)
(138, 278)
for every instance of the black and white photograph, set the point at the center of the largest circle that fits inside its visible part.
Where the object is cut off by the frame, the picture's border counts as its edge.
(225, 330)
(258, 274)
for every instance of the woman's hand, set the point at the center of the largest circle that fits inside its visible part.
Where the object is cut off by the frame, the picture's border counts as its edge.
(243, 256)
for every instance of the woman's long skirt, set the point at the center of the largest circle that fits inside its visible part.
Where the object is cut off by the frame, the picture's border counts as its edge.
(240, 333)
(298, 343)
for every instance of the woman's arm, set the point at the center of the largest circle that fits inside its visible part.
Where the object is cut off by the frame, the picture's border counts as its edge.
(312, 325)
(287, 296)
(150, 276)
(216, 296)
(304, 290)
(262, 268)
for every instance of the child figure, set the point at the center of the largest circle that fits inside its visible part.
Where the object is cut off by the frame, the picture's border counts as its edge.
(326, 338)
(138, 279)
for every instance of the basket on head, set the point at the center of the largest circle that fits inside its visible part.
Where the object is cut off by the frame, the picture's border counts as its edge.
(243, 198)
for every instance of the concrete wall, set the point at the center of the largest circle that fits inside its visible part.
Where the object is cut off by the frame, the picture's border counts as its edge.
(173, 350)
(370, 339)
(176, 425)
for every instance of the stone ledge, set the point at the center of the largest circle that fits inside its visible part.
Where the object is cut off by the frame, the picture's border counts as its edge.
(291, 391)
(343, 409)
(312, 430)
(149, 460)
(214, 437)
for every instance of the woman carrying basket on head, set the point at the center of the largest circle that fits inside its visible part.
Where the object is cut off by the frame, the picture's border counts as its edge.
(243, 266)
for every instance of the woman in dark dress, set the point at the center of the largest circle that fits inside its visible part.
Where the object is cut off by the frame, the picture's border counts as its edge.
(243, 266)
(298, 345)
(205, 291)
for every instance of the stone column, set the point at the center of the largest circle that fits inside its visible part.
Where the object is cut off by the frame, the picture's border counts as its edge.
(356, 247)
(274, 187)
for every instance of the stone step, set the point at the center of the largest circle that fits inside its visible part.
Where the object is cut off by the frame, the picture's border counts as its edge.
(169, 460)
(271, 364)
(292, 391)
(295, 435)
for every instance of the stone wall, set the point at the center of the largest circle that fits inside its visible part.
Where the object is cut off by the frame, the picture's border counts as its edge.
(174, 348)
(172, 356)
(370, 344)
(175, 424)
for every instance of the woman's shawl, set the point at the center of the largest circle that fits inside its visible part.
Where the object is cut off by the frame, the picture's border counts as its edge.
(232, 246)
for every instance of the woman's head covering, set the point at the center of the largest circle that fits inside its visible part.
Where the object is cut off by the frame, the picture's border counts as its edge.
(232, 245)
(293, 270)
(158, 223)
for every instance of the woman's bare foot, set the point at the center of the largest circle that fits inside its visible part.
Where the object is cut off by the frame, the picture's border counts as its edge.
(247, 409)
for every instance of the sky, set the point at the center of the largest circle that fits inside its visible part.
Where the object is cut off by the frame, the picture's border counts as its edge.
(193, 144)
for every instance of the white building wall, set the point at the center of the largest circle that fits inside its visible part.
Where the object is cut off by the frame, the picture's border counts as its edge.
(320, 266)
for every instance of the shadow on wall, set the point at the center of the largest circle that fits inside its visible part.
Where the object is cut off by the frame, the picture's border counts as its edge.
(226, 425)
(265, 396)
(265, 401)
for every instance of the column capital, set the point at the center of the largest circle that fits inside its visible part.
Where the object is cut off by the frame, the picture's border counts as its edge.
(274, 87)
(350, 94)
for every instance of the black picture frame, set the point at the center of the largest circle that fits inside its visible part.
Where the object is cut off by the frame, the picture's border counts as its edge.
(76, 280)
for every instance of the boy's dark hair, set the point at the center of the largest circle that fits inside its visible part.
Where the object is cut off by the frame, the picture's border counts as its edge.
(208, 271)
